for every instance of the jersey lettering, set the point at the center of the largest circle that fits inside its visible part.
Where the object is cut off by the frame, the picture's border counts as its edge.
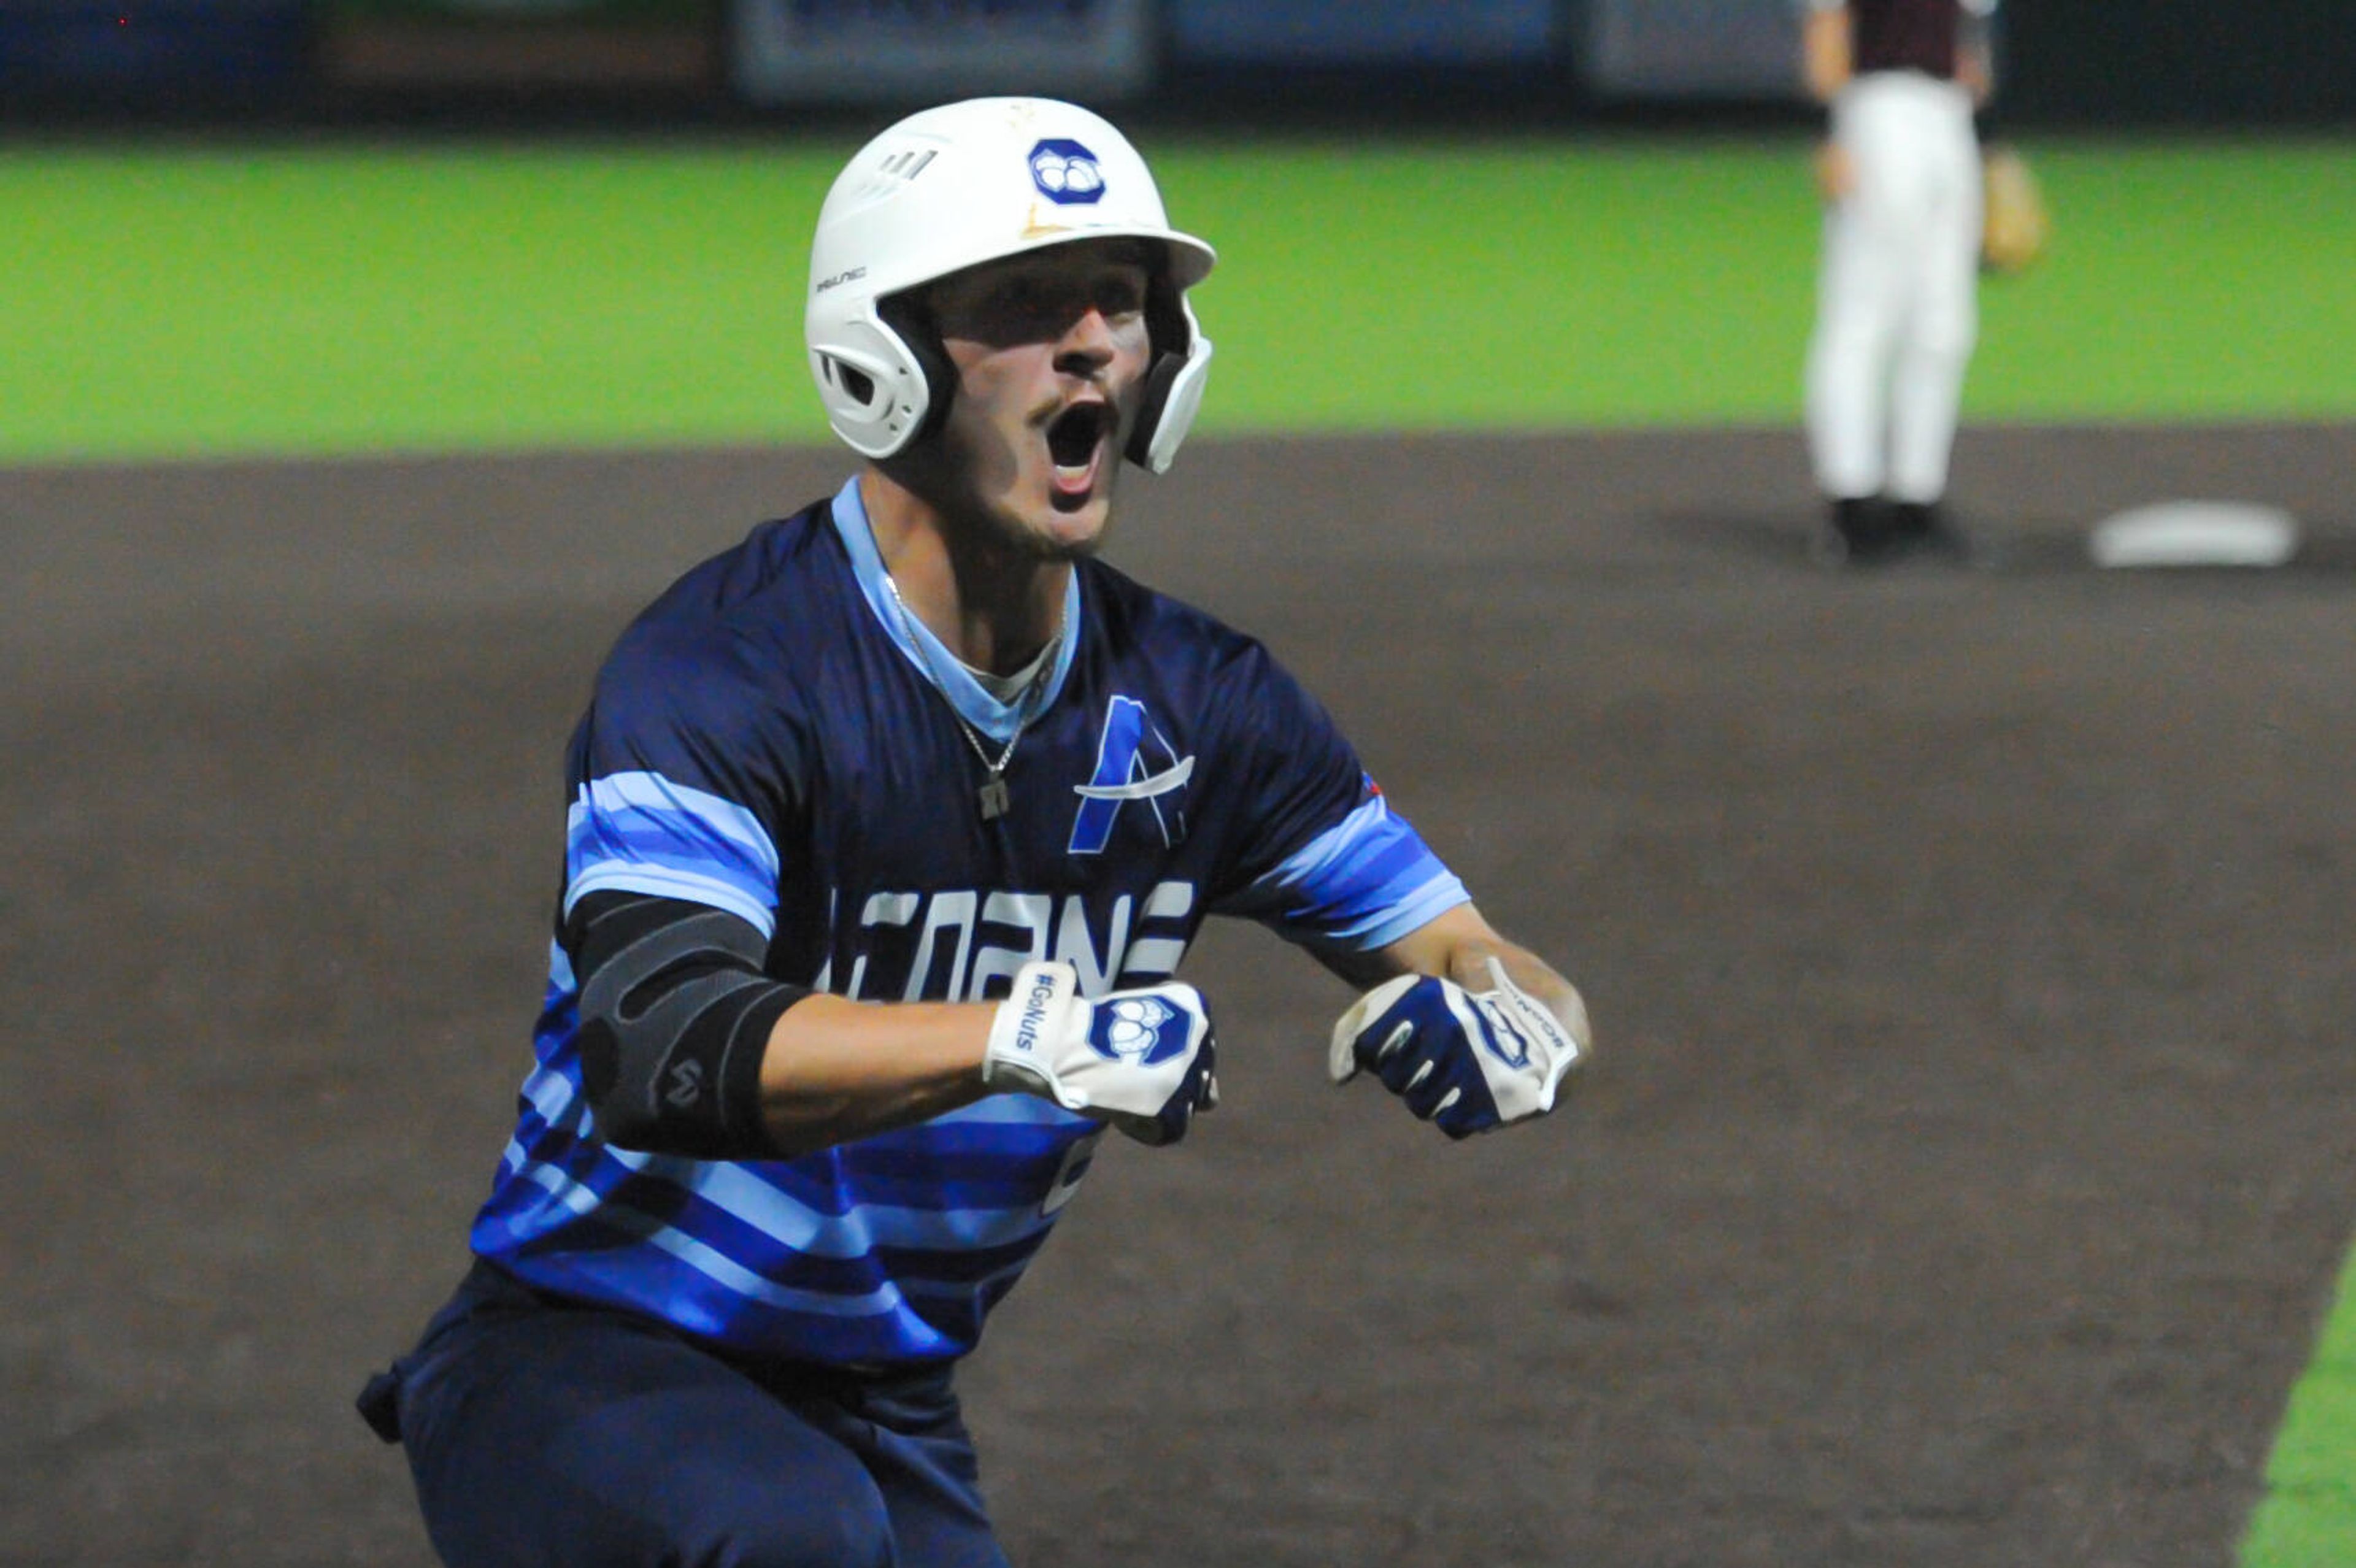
(1029, 914)
(947, 911)
(960, 954)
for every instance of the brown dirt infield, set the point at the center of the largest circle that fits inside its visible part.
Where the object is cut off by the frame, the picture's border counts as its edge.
(1962, 1183)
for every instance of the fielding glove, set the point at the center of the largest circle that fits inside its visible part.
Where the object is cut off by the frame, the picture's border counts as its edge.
(1140, 1059)
(2014, 225)
(1469, 1061)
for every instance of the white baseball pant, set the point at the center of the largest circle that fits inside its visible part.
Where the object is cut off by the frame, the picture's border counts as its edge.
(1895, 312)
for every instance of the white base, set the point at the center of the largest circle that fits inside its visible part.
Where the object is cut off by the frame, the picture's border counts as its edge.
(2195, 533)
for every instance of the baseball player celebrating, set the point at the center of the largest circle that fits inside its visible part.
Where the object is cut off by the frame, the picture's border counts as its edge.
(1895, 312)
(888, 830)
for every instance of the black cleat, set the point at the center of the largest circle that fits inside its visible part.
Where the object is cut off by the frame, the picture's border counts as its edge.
(1858, 533)
(1922, 530)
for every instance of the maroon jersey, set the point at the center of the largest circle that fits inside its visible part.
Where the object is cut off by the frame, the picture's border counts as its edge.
(1910, 34)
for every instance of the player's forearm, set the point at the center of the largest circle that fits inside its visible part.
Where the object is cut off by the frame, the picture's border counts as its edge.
(1458, 944)
(1468, 966)
(1976, 70)
(1826, 61)
(838, 1070)
(1140, 1059)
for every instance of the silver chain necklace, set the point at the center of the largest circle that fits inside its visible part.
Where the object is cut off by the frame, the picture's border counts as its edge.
(994, 796)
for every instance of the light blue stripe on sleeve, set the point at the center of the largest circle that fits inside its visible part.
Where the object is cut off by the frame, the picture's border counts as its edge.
(663, 882)
(639, 832)
(1368, 880)
(1435, 898)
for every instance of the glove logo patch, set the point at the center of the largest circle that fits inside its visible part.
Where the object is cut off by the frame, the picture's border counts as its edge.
(1507, 1044)
(1137, 1029)
(1067, 173)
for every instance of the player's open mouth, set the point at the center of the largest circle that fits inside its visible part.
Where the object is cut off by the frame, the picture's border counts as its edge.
(1076, 443)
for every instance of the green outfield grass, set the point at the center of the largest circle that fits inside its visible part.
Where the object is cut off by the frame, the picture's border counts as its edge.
(206, 302)
(2307, 1518)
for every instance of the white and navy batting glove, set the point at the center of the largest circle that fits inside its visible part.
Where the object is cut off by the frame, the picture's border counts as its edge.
(1469, 1061)
(1140, 1059)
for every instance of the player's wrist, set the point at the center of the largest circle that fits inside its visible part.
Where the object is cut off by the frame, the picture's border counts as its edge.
(1026, 1033)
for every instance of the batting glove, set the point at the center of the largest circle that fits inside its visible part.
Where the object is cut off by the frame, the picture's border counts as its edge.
(1140, 1059)
(1469, 1061)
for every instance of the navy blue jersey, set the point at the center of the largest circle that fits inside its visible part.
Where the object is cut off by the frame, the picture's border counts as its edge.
(772, 739)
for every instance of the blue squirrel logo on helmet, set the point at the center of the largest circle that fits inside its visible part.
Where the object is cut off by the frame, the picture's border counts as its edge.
(1136, 1029)
(1067, 173)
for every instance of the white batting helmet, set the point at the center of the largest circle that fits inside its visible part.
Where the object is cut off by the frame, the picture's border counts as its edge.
(966, 183)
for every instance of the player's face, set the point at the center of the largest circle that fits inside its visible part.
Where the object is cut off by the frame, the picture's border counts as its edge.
(1051, 351)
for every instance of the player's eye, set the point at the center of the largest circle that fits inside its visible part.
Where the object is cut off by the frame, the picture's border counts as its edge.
(1018, 298)
(1119, 294)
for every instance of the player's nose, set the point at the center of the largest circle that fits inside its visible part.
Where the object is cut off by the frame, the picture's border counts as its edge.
(1088, 345)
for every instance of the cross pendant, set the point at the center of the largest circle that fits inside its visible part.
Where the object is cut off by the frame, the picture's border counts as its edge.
(994, 798)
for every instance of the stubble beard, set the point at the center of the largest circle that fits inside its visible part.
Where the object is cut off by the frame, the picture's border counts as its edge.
(998, 532)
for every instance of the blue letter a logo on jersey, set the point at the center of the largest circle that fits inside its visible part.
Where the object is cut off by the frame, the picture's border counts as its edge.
(1136, 765)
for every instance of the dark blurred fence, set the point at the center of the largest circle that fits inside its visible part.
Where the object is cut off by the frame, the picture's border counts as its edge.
(2097, 62)
(1225, 63)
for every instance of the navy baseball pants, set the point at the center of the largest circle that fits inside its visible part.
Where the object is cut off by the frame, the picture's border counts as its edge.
(543, 1431)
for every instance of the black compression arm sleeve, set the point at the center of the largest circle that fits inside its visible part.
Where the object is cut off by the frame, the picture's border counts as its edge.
(675, 1017)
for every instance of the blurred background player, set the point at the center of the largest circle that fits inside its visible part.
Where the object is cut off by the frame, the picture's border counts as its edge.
(889, 829)
(1897, 314)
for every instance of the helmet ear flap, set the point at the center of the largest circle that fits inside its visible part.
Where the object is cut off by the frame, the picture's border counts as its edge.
(838, 375)
(1174, 391)
(1159, 381)
(906, 316)
(874, 389)
(1173, 382)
